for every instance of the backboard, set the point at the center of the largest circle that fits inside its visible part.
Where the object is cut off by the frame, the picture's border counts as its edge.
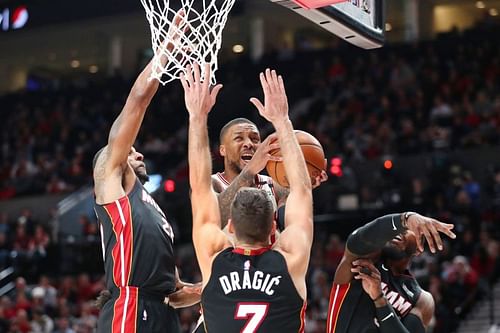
(360, 22)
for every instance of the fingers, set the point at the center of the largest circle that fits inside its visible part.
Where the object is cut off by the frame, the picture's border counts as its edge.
(324, 176)
(264, 84)
(215, 90)
(281, 84)
(258, 104)
(437, 237)
(184, 82)
(273, 146)
(446, 229)
(206, 77)
(274, 158)
(365, 263)
(189, 75)
(196, 73)
(429, 239)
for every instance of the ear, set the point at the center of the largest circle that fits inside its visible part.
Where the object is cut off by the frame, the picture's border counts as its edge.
(274, 227)
(222, 150)
(230, 226)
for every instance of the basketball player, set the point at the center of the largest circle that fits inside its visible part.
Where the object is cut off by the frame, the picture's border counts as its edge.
(249, 288)
(136, 237)
(245, 156)
(373, 291)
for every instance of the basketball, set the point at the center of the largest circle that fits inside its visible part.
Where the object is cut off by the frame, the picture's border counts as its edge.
(313, 154)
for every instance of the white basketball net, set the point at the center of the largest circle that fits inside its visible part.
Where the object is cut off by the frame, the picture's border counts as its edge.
(198, 39)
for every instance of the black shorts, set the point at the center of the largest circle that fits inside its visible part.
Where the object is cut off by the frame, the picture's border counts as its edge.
(130, 312)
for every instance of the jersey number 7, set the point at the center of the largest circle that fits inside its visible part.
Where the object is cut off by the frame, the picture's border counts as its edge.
(254, 313)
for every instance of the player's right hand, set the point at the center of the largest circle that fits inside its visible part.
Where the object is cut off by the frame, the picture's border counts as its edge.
(431, 229)
(263, 154)
(364, 270)
(198, 96)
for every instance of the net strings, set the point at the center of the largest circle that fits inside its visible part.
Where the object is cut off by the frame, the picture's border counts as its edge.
(199, 38)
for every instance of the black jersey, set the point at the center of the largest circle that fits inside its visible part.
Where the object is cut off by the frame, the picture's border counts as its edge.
(251, 291)
(352, 311)
(137, 244)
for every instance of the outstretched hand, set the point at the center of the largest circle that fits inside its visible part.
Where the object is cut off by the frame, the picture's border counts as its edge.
(198, 96)
(275, 108)
(431, 229)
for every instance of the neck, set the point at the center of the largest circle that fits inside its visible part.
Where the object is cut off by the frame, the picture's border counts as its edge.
(229, 174)
(248, 246)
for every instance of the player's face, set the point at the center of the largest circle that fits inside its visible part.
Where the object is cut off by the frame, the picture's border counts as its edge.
(239, 144)
(401, 246)
(136, 161)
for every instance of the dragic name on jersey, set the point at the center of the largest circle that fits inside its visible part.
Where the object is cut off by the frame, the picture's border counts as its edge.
(259, 281)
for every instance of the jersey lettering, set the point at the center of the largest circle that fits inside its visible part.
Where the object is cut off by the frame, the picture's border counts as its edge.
(147, 198)
(254, 313)
(259, 281)
(398, 302)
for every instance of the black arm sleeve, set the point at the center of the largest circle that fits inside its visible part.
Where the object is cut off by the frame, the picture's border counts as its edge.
(372, 236)
(413, 323)
(389, 322)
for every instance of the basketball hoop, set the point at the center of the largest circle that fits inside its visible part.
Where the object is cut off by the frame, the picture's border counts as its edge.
(197, 39)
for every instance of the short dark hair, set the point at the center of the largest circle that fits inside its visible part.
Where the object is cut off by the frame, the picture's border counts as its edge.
(252, 214)
(231, 124)
(96, 156)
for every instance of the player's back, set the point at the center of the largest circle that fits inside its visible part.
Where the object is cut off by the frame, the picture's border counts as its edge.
(251, 291)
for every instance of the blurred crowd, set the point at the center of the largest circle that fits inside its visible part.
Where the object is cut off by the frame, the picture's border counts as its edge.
(402, 100)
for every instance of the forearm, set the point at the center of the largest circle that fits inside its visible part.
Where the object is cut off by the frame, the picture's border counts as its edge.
(244, 179)
(389, 322)
(293, 159)
(200, 162)
(373, 236)
(387, 319)
(144, 89)
(181, 299)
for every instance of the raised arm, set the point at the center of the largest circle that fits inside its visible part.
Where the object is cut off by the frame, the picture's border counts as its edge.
(111, 163)
(368, 240)
(295, 242)
(208, 239)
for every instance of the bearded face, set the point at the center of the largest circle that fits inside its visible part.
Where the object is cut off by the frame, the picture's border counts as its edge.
(239, 145)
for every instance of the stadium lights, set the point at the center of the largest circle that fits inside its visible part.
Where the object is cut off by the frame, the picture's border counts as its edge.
(238, 48)
(480, 4)
(336, 167)
(169, 186)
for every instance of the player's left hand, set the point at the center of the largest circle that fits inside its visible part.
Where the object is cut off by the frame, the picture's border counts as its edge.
(431, 229)
(321, 178)
(198, 96)
(187, 294)
(369, 275)
(275, 107)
